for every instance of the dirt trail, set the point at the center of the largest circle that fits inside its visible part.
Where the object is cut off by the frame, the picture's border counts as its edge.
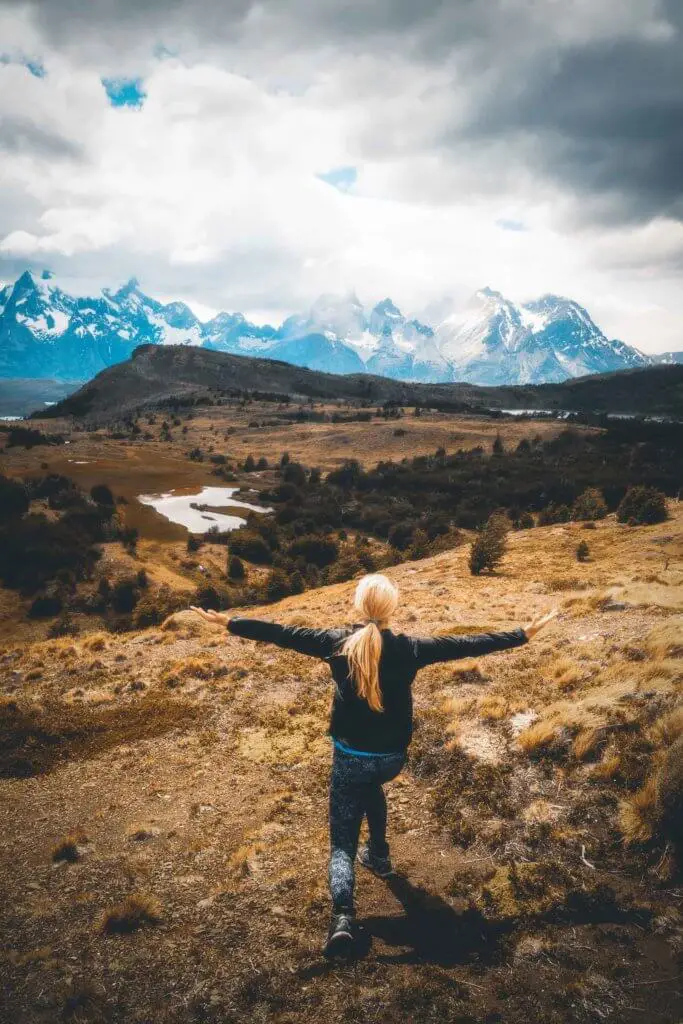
(515, 898)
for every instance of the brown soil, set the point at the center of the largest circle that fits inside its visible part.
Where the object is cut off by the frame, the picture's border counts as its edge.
(186, 772)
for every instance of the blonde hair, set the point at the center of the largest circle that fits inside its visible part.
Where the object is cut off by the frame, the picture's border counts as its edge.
(376, 599)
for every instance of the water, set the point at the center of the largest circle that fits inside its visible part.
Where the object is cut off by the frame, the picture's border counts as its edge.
(177, 508)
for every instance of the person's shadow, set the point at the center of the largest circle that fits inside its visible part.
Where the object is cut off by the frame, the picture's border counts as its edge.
(432, 930)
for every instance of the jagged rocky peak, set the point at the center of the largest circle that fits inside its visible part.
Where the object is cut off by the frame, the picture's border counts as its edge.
(44, 331)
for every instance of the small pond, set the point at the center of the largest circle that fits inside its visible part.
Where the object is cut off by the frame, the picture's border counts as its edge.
(183, 508)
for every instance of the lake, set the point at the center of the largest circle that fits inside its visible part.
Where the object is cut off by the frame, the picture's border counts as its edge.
(178, 508)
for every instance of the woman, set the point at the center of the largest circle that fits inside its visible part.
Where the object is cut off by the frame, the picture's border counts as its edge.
(371, 720)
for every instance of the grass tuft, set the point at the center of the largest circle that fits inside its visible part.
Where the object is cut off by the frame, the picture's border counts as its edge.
(133, 913)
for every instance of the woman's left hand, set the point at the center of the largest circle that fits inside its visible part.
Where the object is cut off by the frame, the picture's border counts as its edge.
(533, 627)
(215, 618)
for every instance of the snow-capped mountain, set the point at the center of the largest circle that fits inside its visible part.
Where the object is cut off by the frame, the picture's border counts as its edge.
(495, 341)
(45, 332)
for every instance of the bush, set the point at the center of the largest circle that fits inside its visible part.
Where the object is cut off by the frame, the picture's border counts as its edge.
(251, 546)
(277, 585)
(208, 597)
(154, 608)
(249, 464)
(193, 544)
(14, 500)
(45, 606)
(489, 546)
(526, 520)
(582, 552)
(554, 514)
(236, 570)
(124, 596)
(590, 505)
(319, 551)
(642, 506)
(102, 495)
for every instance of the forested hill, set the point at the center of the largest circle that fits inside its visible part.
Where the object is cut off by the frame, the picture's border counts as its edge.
(155, 376)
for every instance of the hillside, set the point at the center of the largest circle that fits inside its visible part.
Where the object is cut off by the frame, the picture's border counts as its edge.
(156, 376)
(188, 768)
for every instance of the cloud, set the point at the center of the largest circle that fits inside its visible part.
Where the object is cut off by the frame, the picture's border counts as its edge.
(532, 147)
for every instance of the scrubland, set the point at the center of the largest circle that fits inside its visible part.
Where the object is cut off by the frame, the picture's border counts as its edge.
(163, 836)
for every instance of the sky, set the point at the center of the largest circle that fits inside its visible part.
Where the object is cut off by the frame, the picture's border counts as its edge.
(251, 156)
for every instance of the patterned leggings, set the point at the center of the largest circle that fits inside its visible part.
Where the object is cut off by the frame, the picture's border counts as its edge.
(356, 792)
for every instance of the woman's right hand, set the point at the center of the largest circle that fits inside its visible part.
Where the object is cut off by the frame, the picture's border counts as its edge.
(539, 622)
(216, 618)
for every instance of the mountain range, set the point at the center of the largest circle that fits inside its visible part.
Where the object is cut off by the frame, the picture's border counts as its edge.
(46, 332)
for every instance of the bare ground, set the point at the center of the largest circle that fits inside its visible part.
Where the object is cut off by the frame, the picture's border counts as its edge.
(190, 768)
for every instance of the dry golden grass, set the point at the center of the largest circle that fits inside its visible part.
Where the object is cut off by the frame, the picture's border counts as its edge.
(666, 730)
(639, 817)
(539, 739)
(587, 743)
(133, 913)
(68, 848)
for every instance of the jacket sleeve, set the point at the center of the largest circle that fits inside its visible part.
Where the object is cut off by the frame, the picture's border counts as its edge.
(318, 643)
(428, 650)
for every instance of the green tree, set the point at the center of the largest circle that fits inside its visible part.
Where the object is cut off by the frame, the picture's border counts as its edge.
(490, 545)
(582, 552)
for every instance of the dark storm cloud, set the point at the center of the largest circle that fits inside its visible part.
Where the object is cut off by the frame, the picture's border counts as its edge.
(606, 120)
(19, 135)
(588, 96)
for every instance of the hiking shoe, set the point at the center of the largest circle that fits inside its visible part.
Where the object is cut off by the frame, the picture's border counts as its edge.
(380, 866)
(340, 936)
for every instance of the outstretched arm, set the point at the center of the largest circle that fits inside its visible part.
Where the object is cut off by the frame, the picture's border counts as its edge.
(429, 650)
(317, 643)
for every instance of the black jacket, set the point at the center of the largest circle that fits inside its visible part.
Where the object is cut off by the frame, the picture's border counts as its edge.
(352, 720)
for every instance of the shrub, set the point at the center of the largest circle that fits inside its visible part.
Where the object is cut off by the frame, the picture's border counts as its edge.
(45, 606)
(642, 506)
(124, 596)
(401, 536)
(489, 546)
(152, 609)
(319, 551)
(582, 552)
(249, 464)
(554, 514)
(128, 535)
(134, 912)
(526, 521)
(590, 505)
(277, 585)
(102, 495)
(14, 500)
(250, 545)
(193, 544)
(209, 597)
(236, 570)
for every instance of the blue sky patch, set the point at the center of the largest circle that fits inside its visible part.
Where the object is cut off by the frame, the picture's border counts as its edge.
(511, 225)
(341, 178)
(34, 65)
(124, 92)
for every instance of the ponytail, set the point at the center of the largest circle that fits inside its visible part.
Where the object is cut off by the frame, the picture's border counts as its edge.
(376, 599)
(363, 649)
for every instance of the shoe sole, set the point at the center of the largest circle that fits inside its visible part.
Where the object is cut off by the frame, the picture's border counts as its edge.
(374, 871)
(340, 944)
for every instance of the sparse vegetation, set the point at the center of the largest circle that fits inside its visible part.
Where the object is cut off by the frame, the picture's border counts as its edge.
(136, 911)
